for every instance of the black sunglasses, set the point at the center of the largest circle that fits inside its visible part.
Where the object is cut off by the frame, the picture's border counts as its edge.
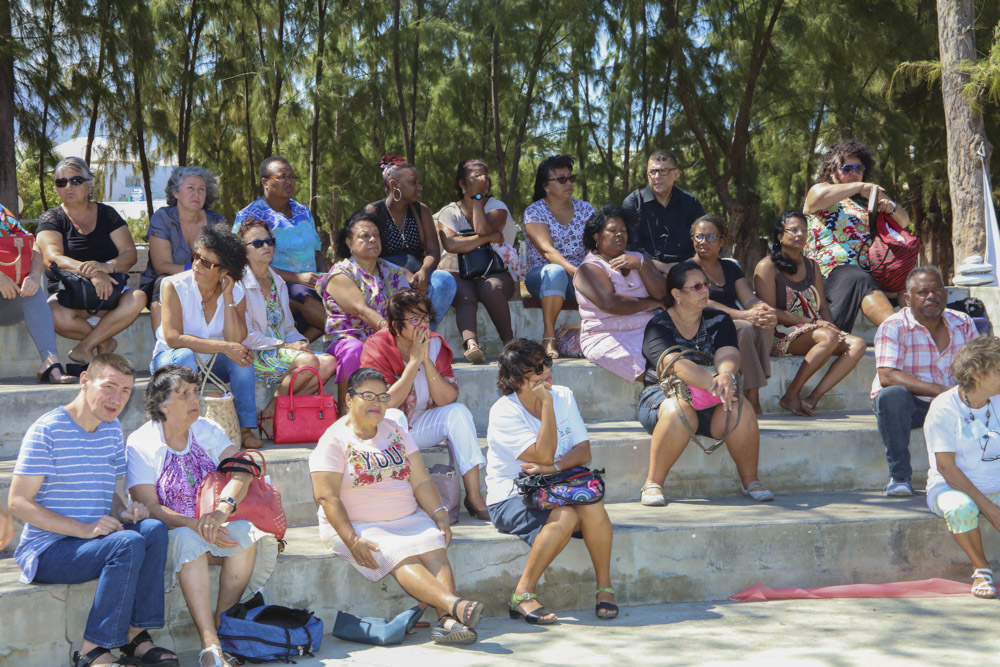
(75, 181)
(537, 370)
(260, 243)
(563, 180)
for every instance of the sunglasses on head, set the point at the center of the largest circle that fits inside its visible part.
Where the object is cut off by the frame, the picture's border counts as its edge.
(852, 169)
(260, 243)
(76, 181)
(537, 370)
(563, 180)
(195, 257)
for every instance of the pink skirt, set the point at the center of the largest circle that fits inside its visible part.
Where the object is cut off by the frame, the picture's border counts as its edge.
(397, 540)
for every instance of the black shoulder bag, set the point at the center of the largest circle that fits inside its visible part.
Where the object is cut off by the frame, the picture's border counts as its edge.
(480, 262)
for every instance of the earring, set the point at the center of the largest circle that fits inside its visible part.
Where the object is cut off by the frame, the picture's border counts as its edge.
(397, 194)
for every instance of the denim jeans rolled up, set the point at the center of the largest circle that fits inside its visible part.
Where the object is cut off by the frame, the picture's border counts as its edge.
(128, 566)
(240, 378)
(897, 412)
(441, 292)
(37, 316)
(549, 280)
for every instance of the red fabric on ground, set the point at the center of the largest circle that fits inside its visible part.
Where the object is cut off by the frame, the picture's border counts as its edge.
(925, 588)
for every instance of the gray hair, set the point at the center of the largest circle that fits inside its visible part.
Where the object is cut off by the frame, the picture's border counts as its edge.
(265, 166)
(74, 164)
(177, 178)
(922, 271)
(975, 360)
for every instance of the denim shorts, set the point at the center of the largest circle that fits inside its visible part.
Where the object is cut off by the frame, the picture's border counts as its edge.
(649, 407)
(513, 517)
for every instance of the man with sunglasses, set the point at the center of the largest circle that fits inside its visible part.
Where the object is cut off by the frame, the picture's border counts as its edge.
(664, 214)
(914, 350)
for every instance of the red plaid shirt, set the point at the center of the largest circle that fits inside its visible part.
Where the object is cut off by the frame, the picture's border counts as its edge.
(906, 345)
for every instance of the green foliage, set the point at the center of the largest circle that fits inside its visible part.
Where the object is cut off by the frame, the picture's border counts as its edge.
(225, 83)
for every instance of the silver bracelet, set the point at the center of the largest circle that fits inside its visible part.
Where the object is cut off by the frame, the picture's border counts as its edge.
(556, 466)
(439, 509)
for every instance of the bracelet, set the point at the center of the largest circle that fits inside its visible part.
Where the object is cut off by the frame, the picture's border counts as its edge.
(439, 509)
(434, 378)
(556, 466)
(893, 207)
(641, 260)
(357, 538)
(231, 305)
(381, 323)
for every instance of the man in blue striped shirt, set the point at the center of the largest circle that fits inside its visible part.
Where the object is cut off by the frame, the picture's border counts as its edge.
(78, 528)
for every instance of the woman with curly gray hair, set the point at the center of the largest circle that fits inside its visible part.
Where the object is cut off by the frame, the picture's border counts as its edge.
(173, 229)
(204, 315)
(168, 457)
(838, 222)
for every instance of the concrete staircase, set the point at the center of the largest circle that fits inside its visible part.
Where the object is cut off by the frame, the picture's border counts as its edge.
(829, 524)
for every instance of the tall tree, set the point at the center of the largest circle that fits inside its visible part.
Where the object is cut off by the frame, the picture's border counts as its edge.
(8, 160)
(966, 132)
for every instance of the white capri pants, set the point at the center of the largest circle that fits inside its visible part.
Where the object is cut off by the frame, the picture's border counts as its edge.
(452, 422)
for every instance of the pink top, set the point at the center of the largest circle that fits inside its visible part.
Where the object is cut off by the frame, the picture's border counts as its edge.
(376, 482)
(594, 320)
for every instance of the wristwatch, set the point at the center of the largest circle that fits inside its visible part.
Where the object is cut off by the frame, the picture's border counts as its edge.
(229, 501)
(478, 196)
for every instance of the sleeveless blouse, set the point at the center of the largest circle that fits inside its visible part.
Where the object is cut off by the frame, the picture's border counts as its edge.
(838, 235)
(394, 242)
(193, 314)
(801, 297)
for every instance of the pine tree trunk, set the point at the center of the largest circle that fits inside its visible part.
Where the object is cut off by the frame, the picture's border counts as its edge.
(317, 84)
(8, 160)
(966, 135)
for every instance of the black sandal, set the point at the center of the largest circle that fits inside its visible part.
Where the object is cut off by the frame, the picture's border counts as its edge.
(154, 657)
(456, 635)
(86, 660)
(536, 617)
(606, 610)
(473, 612)
(45, 377)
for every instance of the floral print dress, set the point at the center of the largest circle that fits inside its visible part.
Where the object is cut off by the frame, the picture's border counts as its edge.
(838, 235)
(271, 365)
(377, 288)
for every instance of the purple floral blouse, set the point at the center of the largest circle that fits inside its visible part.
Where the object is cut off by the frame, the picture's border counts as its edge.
(376, 289)
(177, 486)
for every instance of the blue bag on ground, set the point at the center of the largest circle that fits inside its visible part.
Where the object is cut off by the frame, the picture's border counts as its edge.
(259, 632)
(376, 631)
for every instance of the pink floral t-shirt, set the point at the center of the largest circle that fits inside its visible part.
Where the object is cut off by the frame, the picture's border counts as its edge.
(567, 239)
(376, 472)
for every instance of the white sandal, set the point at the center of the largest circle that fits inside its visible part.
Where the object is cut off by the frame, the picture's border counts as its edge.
(758, 492)
(985, 588)
(651, 495)
(216, 652)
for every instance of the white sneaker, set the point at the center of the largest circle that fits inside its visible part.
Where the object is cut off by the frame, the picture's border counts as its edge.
(897, 489)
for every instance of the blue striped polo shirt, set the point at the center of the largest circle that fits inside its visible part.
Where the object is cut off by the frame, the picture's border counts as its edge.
(80, 470)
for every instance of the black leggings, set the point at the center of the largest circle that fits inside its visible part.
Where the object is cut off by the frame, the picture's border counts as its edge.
(494, 293)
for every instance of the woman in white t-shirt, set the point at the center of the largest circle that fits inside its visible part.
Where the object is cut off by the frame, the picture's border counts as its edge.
(536, 428)
(474, 220)
(962, 431)
(168, 457)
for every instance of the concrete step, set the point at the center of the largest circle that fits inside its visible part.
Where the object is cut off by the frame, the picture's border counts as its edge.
(832, 452)
(687, 552)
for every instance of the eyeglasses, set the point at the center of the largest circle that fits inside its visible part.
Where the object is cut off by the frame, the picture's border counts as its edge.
(420, 319)
(852, 169)
(76, 181)
(795, 230)
(371, 396)
(661, 172)
(195, 257)
(706, 238)
(563, 180)
(537, 370)
(260, 243)
(697, 287)
(283, 177)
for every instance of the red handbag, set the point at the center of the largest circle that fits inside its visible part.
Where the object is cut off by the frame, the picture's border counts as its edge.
(302, 418)
(261, 506)
(15, 256)
(893, 251)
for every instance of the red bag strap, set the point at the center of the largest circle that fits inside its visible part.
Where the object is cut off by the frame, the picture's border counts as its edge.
(291, 385)
(249, 455)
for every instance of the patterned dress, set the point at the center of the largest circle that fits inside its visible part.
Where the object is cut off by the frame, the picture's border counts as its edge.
(801, 300)
(271, 365)
(614, 342)
(838, 235)
(376, 288)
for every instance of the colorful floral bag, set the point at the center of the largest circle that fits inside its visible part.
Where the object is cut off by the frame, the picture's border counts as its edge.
(575, 486)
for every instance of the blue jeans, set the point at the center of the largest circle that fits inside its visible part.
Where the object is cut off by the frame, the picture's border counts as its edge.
(240, 378)
(37, 316)
(549, 280)
(441, 292)
(897, 412)
(128, 566)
